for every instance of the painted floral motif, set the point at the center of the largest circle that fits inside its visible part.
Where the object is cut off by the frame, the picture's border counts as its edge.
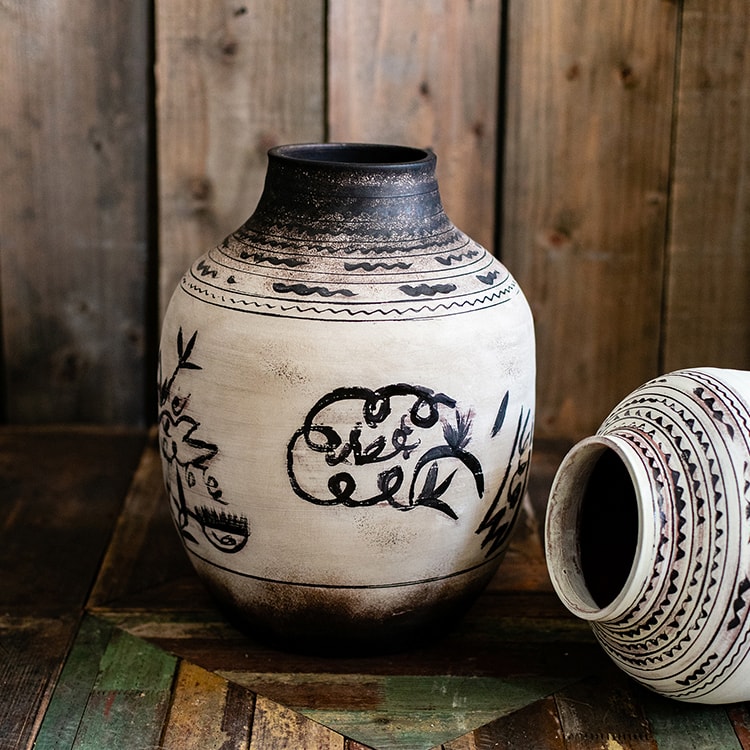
(187, 465)
(399, 445)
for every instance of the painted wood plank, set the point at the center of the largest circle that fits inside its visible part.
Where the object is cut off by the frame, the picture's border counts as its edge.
(739, 715)
(280, 728)
(233, 78)
(495, 645)
(60, 493)
(707, 318)
(66, 708)
(423, 74)
(74, 213)
(145, 566)
(130, 697)
(350, 744)
(536, 725)
(32, 650)
(417, 712)
(585, 188)
(207, 713)
(680, 725)
(604, 711)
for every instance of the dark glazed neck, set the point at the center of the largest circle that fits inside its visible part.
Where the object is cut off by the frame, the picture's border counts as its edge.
(352, 169)
(349, 193)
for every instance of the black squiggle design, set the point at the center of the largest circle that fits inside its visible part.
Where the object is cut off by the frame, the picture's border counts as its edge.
(499, 519)
(365, 266)
(449, 259)
(489, 278)
(375, 432)
(305, 291)
(206, 269)
(274, 261)
(427, 290)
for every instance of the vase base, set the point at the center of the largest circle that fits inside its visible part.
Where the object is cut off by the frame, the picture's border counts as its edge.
(345, 622)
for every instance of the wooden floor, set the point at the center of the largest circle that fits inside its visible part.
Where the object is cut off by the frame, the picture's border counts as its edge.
(109, 642)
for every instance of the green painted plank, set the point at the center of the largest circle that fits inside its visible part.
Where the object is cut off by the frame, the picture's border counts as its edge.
(63, 717)
(130, 697)
(132, 664)
(420, 712)
(677, 725)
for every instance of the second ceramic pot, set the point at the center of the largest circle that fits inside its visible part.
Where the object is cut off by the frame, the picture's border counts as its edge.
(648, 535)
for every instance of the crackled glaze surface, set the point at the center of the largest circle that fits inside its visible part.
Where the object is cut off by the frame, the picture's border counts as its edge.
(680, 623)
(346, 401)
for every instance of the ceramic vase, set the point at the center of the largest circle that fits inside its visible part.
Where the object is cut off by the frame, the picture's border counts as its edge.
(346, 397)
(648, 534)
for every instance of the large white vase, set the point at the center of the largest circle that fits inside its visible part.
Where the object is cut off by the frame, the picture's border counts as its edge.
(346, 404)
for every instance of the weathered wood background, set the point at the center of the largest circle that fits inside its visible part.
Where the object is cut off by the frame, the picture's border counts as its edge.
(600, 147)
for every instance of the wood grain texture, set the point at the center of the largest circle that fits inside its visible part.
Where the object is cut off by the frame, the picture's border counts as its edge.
(233, 80)
(65, 487)
(68, 704)
(32, 651)
(130, 697)
(73, 219)
(280, 728)
(605, 711)
(207, 713)
(134, 565)
(587, 154)
(60, 493)
(707, 320)
(536, 725)
(423, 74)
(676, 726)
(739, 715)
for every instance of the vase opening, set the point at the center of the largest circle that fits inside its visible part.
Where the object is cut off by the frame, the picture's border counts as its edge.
(608, 528)
(359, 154)
(597, 541)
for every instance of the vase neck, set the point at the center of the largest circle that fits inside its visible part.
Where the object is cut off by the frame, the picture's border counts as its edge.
(602, 528)
(352, 169)
(339, 189)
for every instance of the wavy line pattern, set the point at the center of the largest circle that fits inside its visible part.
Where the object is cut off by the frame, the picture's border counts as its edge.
(427, 290)
(365, 266)
(353, 313)
(447, 260)
(274, 261)
(305, 291)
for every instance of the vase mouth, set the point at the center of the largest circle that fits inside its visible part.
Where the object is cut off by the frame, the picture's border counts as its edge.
(354, 155)
(598, 540)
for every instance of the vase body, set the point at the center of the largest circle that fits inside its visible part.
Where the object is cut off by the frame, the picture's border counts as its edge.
(346, 404)
(648, 534)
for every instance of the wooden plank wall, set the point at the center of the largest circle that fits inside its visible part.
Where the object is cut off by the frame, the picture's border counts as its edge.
(600, 147)
(74, 166)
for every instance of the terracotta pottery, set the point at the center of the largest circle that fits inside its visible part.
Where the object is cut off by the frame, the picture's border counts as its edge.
(346, 404)
(648, 534)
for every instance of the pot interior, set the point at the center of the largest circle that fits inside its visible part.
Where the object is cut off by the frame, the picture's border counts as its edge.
(607, 528)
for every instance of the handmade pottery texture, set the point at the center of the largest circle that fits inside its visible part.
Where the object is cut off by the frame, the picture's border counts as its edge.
(346, 403)
(648, 534)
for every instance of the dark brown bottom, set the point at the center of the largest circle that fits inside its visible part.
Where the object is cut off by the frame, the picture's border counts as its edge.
(347, 622)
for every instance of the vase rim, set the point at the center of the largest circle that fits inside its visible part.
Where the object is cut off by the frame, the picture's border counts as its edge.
(562, 523)
(360, 156)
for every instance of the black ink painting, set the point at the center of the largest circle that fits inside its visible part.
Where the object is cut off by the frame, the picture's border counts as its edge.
(400, 446)
(499, 520)
(187, 460)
